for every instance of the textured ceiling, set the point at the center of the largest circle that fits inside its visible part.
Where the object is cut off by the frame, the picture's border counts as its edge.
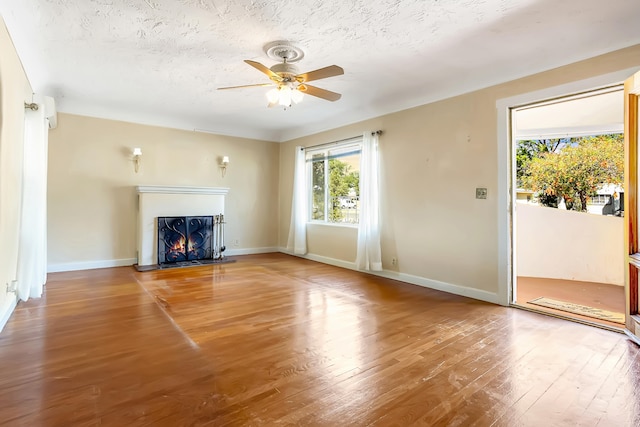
(160, 61)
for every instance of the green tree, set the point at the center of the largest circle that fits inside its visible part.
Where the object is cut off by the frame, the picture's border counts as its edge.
(342, 183)
(577, 171)
(318, 187)
(530, 149)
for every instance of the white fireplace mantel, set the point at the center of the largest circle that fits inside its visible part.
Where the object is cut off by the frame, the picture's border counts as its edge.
(156, 201)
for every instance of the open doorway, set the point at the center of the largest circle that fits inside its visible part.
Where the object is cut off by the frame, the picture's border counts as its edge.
(568, 226)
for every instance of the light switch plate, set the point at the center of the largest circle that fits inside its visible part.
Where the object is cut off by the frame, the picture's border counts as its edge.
(481, 193)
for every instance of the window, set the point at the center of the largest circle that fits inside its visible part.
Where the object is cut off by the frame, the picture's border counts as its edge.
(334, 182)
(600, 199)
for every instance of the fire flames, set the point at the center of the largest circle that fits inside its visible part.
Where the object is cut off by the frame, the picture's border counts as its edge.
(178, 246)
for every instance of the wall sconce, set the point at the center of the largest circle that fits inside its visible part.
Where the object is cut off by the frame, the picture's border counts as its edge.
(137, 154)
(223, 164)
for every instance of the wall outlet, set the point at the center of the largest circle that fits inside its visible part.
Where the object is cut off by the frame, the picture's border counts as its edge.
(12, 287)
(236, 242)
(481, 193)
(394, 261)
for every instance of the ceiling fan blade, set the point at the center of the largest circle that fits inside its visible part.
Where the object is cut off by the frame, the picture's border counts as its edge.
(320, 93)
(238, 87)
(263, 68)
(322, 73)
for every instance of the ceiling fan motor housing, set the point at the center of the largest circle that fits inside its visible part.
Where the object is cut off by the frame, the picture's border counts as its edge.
(287, 71)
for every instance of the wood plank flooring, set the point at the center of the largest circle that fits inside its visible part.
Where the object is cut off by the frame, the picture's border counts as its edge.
(277, 340)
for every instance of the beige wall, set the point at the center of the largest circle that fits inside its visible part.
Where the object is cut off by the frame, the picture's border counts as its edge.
(92, 199)
(433, 157)
(14, 91)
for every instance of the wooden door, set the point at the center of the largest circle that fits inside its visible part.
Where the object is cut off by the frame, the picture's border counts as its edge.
(632, 250)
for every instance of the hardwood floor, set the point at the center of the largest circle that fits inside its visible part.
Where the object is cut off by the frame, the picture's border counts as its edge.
(277, 340)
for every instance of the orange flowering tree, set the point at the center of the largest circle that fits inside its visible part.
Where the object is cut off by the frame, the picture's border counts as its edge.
(578, 170)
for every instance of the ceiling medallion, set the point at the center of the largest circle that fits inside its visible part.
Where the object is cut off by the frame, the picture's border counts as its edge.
(281, 49)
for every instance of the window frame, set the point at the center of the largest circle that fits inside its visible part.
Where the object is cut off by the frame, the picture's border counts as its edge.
(355, 143)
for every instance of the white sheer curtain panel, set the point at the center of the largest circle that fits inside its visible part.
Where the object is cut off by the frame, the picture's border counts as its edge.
(299, 206)
(369, 255)
(32, 249)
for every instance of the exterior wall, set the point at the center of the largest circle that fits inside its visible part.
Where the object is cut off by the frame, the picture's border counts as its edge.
(92, 187)
(433, 157)
(560, 244)
(14, 91)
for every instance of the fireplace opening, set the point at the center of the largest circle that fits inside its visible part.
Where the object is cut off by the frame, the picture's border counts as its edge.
(185, 239)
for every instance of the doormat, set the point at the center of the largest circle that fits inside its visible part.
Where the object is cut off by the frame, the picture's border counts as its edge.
(584, 310)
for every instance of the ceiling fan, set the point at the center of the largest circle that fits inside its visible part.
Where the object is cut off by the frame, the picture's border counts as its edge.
(289, 84)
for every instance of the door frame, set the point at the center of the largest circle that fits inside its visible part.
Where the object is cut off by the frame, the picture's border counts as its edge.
(506, 164)
(632, 250)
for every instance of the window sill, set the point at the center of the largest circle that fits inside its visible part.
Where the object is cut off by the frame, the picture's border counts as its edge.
(332, 224)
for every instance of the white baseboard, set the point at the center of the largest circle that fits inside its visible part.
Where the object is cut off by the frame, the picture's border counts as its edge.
(323, 259)
(250, 251)
(440, 286)
(90, 265)
(7, 311)
(408, 278)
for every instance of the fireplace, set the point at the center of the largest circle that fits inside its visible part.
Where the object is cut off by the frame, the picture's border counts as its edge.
(185, 239)
(156, 202)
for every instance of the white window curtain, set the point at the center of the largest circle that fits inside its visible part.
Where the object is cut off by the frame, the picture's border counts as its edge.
(369, 255)
(297, 242)
(32, 249)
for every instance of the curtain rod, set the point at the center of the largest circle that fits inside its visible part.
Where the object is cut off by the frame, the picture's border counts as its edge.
(326, 144)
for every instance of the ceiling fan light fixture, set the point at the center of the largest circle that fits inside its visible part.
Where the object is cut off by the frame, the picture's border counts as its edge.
(297, 96)
(273, 96)
(284, 95)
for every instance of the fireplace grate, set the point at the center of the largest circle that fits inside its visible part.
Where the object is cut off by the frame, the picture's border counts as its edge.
(185, 239)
